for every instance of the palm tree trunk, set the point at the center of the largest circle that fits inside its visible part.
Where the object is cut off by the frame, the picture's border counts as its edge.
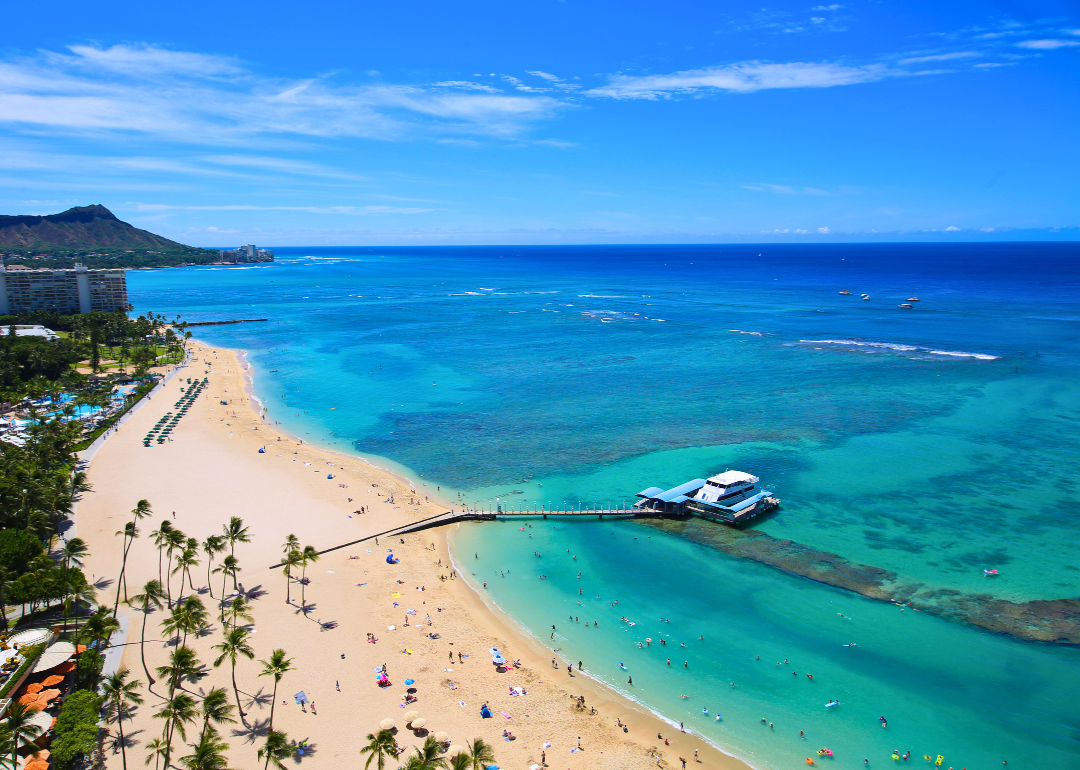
(123, 566)
(272, 704)
(303, 588)
(142, 648)
(209, 582)
(236, 690)
(288, 587)
(168, 581)
(224, 577)
(120, 724)
(159, 578)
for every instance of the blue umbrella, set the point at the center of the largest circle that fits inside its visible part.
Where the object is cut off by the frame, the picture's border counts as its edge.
(410, 681)
(498, 660)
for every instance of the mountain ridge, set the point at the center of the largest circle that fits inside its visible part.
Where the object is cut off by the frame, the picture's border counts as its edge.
(80, 227)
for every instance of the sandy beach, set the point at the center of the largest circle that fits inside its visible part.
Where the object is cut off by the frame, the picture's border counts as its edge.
(213, 469)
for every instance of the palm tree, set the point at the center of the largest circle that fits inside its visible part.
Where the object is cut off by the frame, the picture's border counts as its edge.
(120, 695)
(212, 546)
(182, 664)
(276, 749)
(290, 562)
(208, 753)
(277, 666)
(216, 708)
(240, 609)
(229, 567)
(178, 711)
(193, 614)
(6, 742)
(150, 598)
(83, 594)
(130, 532)
(158, 748)
(98, 628)
(74, 551)
(233, 645)
(175, 541)
(482, 754)
(23, 731)
(381, 745)
(235, 532)
(187, 559)
(308, 556)
(428, 757)
(292, 543)
(161, 538)
(461, 761)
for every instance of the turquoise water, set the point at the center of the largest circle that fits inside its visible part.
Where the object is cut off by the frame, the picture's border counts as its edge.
(933, 442)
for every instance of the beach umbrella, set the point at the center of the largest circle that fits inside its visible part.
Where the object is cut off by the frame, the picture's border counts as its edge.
(37, 764)
(498, 660)
(410, 716)
(387, 724)
(29, 699)
(495, 651)
(453, 751)
(418, 723)
(52, 679)
(48, 695)
(35, 687)
(441, 737)
(410, 681)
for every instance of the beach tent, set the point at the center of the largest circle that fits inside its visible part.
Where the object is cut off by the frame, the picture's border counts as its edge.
(485, 713)
(301, 697)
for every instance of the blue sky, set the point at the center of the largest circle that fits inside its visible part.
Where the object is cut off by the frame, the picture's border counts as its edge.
(547, 122)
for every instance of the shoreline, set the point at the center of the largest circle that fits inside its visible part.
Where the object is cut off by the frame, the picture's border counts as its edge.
(498, 622)
(211, 469)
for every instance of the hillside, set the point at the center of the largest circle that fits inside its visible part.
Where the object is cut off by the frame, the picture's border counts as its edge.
(94, 236)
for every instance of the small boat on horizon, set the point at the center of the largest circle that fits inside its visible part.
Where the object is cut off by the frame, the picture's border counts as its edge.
(866, 296)
(906, 306)
(845, 292)
(913, 299)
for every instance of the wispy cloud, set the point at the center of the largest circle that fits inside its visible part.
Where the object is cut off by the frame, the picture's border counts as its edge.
(941, 57)
(1048, 44)
(742, 77)
(210, 99)
(781, 189)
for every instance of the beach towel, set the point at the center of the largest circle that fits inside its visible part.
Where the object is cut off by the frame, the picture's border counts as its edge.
(506, 715)
(394, 595)
(391, 628)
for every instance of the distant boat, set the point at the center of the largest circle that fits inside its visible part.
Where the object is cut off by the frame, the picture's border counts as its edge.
(866, 296)
(906, 306)
(913, 299)
(845, 292)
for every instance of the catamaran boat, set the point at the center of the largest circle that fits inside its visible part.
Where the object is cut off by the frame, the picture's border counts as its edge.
(731, 497)
(866, 296)
(906, 306)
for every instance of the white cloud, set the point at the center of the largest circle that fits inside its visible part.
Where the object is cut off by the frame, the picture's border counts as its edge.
(125, 90)
(833, 7)
(1045, 45)
(544, 75)
(823, 230)
(802, 232)
(742, 77)
(941, 57)
(951, 229)
(466, 85)
(781, 189)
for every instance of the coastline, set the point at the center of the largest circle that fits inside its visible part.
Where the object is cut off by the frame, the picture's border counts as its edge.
(214, 469)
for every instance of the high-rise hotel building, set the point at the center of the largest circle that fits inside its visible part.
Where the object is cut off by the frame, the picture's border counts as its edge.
(77, 290)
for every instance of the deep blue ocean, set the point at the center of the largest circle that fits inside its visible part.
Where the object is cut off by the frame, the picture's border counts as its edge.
(933, 442)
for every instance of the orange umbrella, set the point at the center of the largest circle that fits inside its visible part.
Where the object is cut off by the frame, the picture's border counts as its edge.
(29, 698)
(49, 681)
(65, 668)
(35, 687)
(37, 764)
(47, 695)
(80, 648)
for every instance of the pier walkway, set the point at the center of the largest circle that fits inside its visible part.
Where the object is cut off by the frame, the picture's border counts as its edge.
(453, 517)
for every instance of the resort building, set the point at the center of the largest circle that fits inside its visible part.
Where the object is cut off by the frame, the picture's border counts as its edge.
(249, 253)
(77, 290)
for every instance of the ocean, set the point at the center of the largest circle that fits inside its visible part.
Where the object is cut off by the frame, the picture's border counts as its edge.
(922, 445)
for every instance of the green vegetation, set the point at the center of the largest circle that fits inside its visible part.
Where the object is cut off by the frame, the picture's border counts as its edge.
(76, 729)
(30, 656)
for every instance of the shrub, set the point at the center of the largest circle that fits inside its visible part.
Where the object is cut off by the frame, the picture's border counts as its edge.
(17, 548)
(76, 728)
